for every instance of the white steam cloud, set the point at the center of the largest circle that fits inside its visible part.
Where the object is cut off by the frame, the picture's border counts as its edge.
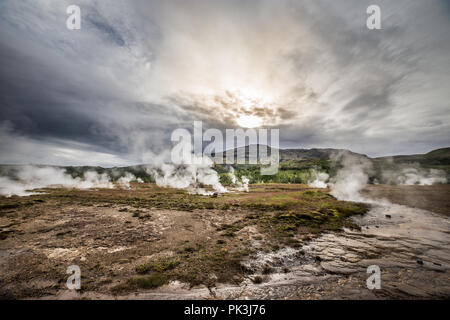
(125, 180)
(194, 176)
(239, 185)
(354, 173)
(30, 177)
(351, 178)
(320, 179)
(413, 174)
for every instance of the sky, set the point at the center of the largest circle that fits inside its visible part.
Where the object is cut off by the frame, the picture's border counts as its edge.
(111, 93)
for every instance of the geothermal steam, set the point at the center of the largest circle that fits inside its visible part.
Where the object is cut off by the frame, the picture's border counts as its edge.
(413, 174)
(319, 179)
(35, 177)
(354, 173)
(192, 175)
(239, 185)
(351, 178)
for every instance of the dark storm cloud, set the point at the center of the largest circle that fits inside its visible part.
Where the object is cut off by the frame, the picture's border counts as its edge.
(110, 92)
(42, 104)
(58, 90)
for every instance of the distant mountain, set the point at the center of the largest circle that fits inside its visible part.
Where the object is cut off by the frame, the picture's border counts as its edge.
(436, 157)
(301, 154)
(322, 154)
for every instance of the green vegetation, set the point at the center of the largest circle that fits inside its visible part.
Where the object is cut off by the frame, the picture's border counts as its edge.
(148, 282)
(160, 266)
(293, 171)
(18, 202)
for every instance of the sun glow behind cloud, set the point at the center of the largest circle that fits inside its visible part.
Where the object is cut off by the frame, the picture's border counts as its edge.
(249, 121)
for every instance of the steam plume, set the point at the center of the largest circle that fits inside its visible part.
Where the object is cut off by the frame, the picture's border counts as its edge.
(320, 179)
(26, 178)
(351, 178)
(193, 176)
(239, 185)
(413, 174)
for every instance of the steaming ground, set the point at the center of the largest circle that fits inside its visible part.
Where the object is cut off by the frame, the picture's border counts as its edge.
(173, 239)
(27, 180)
(350, 179)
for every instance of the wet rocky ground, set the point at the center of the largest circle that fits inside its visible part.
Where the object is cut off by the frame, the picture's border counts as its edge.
(410, 246)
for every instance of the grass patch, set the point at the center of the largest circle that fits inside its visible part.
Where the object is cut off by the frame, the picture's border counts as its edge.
(159, 266)
(148, 282)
